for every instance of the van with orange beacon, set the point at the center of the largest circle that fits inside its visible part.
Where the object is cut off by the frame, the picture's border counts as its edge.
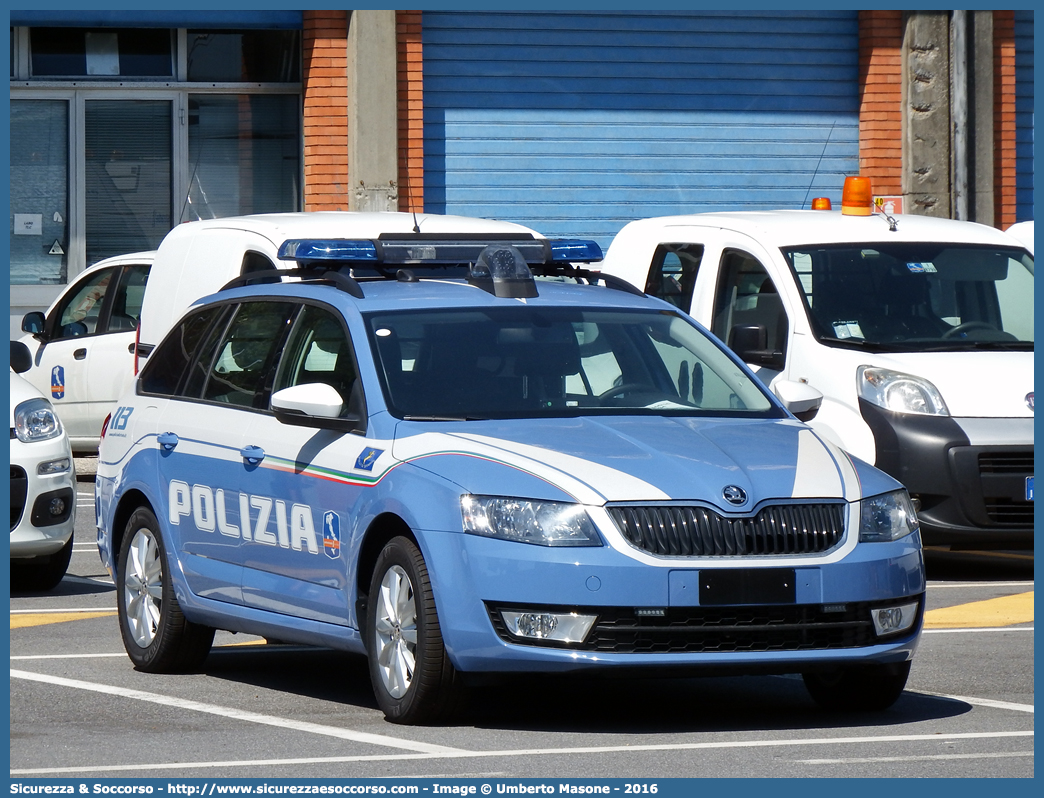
(917, 331)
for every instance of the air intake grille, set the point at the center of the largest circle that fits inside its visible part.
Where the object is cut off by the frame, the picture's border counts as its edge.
(1006, 462)
(670, 531)
(19, 488)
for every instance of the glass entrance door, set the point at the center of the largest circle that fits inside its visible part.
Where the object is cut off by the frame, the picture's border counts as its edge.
(127, 175)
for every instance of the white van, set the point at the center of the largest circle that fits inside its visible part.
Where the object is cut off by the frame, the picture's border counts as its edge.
(84, 346)
(917, 331)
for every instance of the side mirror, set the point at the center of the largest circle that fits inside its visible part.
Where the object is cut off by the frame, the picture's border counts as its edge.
(21, 358)
(799, 398)
(34, 323)
(313, 404)
(750, 342)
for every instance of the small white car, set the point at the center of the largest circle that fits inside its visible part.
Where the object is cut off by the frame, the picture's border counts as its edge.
(43, 486)
(83, 347)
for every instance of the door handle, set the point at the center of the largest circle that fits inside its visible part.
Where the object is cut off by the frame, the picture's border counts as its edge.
(80, 354)
(130, 348)
(252, 454)
(168, 440)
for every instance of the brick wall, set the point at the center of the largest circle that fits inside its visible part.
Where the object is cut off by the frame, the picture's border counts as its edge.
(325, 76)
(881, 95)
(1004, 118)
(411, 110)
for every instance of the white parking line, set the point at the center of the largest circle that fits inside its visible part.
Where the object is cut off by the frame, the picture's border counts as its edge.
(532, 752)
(237, 714)
(867, 760)
(979, 629)
(984, 702)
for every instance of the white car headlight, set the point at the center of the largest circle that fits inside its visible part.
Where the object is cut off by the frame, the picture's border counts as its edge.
(35, 420)
(889, 516)
(900, 393)
(527, 521)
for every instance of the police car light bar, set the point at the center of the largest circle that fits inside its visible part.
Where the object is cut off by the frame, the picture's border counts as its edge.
(328, 249)
(434, 250)
(575, 251)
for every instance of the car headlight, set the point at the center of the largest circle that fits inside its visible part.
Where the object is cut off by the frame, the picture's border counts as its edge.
(527, 521)
(35, 420)
(889, 516)
(900, 393)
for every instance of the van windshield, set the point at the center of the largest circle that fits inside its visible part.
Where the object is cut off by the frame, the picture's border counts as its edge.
(914, 297)
(539, 362)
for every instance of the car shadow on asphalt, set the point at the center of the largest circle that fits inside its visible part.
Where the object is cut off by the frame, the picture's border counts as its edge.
(578, 704)
(69, 586)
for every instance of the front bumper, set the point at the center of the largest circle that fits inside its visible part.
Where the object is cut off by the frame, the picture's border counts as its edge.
(647, 620)
(37, 530)
(972, 492)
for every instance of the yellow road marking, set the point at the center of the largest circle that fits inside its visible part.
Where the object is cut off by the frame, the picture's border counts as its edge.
(41, 618)
(1003, 611)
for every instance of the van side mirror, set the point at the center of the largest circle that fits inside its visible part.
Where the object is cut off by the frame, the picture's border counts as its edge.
(34, 323)
(799, 398)
(750, 342)
(21, 358)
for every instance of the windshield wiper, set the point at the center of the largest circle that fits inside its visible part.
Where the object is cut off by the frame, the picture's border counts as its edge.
(994, 346)
(444, 418)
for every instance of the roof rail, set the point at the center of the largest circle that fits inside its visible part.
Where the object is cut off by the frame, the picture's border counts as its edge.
(335, 278)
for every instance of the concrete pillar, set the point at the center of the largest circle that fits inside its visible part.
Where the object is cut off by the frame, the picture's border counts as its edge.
(980, 103)
(373, 133)
(927, 125)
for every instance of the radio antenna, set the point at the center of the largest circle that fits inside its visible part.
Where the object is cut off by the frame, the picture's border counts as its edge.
(409, 193)
(813, 180)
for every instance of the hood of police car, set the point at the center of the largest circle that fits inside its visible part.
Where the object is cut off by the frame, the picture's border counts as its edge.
(643, 458)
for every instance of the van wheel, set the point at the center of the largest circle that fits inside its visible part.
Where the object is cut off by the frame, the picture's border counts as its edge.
(865, 688)
(41, 573)
(156, 635)
(412, 677)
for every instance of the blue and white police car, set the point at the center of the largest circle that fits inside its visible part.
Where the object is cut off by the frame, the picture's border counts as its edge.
(411, 449)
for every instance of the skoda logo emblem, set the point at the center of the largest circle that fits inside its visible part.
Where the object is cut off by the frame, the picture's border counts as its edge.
(734, 494)
(1029, 401)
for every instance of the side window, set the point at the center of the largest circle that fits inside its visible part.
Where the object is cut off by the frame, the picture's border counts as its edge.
(127, 299)
(319, 350)
(672, 275)
(748, 313)
(242, 371)
(78, 314)
(164, 369)
(255, 262)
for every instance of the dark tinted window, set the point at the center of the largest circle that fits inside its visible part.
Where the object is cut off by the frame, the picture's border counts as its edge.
(672, 275)
(163, 371)
(127, 300)
(255, 56)
(319, 352)
(109, 52)
(242, 372)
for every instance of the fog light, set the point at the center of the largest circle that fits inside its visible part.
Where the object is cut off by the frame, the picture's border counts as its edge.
(56, 507)
(891, 620)
(59, 466)
(558, 626)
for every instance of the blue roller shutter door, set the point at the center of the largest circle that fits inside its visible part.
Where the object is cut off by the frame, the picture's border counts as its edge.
(575, 123)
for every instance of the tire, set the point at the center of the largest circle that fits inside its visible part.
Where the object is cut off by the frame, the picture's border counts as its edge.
(412, 677)
(42, 573)
(156, 634)
(865, 688)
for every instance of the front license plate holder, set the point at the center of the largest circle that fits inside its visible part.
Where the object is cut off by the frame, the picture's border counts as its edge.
(725, 586)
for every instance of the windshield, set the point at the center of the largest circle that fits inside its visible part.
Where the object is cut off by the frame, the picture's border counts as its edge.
(528, 362)
(916, 296)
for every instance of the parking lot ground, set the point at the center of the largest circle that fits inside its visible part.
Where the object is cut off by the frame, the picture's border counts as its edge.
(260, 710)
